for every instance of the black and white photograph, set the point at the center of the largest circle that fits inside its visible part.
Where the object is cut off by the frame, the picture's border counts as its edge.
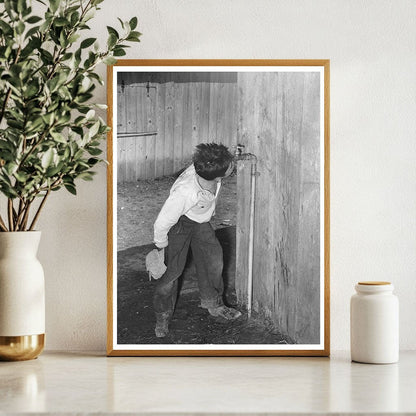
(218, 208)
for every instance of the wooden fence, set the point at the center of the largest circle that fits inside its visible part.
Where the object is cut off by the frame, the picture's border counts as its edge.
(278, 120)
(162, 116)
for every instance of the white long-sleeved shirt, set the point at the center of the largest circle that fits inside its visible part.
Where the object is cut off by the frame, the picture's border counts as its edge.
(186, 198)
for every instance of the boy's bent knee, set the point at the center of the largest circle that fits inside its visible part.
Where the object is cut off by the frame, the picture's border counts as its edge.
(165, 289)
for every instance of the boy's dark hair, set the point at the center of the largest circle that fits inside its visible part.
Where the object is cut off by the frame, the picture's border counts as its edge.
(211, 160)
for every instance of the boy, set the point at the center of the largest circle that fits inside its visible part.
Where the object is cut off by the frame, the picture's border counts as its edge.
(183, 223)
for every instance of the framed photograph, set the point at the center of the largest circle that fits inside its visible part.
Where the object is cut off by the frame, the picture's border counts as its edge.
(218, 208)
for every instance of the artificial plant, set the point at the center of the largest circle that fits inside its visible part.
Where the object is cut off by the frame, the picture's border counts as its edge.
(50, 134)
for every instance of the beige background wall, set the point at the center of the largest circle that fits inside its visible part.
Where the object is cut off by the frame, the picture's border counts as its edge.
(372, 49)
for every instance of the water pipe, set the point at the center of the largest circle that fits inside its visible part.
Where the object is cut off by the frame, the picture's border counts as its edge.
(239, 155)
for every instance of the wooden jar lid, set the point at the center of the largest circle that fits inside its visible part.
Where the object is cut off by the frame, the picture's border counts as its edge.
(374, 283)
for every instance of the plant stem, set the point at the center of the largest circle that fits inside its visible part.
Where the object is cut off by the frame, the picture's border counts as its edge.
(10, 213)
(17, 217)
(3, 109)
(26, 216)
(39, 209)
(2, 225)
(20, 213)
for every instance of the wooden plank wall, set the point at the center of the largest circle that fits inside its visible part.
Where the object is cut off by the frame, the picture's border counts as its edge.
(278, 120)
(184, 109)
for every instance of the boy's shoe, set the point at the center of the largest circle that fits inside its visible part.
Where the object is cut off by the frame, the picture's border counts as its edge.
(230, 298)
(162, 324)
(225, 312)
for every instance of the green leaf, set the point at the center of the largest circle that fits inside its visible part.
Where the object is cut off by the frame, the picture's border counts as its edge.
(110, 60)
(46, 56)
(77, 130)
(47, 158)
(82, 166)
(94, 151)
(35, 125)
(27, 11)
(28, 50)
(48, 118)
(73, 38)
(87, 42)
(53, 84)
(54, 4)
(80, 120)
(82, 98)
(96, 77)
(119, 52)
(31, 31)
(61, 21)
(77, 56)
(89, 15)
(78, 154)
(122, 23)
(16, 124)
(67, 153)
(52, 171)
(67, 56)
(133, 38)
(94, 129)
(31, 90)
(4, 145)
(21, 5)
(8, 190)
(86, 176)
(58, 137)
(64, 93)
(71, 188)
(10, 7)
(133, 23)
(5, 28)
(33, 19)
(112, 41)
(134, 34)
(20, 27)
(112, 31)
(92, 161)
(11, 168)
(90, 115)
(21, 177)
(63, 41)
(74, 18)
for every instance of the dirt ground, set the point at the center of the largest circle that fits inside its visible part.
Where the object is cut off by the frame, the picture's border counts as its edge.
(138, 206)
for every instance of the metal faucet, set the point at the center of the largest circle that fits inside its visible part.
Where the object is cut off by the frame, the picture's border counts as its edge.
(240, 155)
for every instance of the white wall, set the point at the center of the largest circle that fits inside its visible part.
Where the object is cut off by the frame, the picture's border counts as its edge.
(371, 45)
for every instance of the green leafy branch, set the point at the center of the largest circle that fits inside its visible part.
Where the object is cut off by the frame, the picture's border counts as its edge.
(50, 134)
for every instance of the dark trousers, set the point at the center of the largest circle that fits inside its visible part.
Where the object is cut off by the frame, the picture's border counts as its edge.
(208, 257)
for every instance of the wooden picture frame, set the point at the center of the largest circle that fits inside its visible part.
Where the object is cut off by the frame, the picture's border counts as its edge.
(276, 110)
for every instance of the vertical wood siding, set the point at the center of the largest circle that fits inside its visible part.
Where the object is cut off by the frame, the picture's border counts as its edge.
(278, 120)
(181, 109)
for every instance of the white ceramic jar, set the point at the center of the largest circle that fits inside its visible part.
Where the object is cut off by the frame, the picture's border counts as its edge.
(374, 323)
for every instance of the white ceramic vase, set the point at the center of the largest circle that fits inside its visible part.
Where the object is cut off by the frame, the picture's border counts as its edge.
(22, 296)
